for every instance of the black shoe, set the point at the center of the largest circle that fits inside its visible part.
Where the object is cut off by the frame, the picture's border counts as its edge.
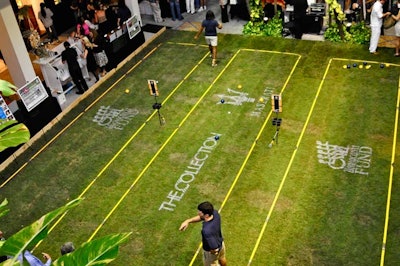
(79, 92)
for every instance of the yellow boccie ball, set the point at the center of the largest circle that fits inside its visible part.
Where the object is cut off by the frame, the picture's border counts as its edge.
(239, 86)
(127, 91)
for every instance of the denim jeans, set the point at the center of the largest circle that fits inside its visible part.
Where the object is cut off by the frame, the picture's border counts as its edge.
(175, 4)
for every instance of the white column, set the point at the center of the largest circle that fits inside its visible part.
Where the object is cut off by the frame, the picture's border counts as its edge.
(133, 5)
(13, 47)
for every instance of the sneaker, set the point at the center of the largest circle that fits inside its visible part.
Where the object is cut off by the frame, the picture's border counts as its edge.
(200, 9)
(193, 11)
(204, 7)
(214, 63)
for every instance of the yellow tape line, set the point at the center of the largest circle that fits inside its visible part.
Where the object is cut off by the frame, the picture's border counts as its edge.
(389, 195)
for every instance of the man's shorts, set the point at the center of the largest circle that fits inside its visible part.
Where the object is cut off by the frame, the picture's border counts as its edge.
(210, 259)
(212, 40)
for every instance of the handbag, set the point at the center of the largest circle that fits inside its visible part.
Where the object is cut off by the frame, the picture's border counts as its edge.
(388, 22)
(101, 58)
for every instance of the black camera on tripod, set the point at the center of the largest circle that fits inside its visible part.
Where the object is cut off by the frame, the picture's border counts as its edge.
(157, 106)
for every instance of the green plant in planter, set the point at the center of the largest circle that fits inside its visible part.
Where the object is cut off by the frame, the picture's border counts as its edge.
(273, 27)
(12, 133)
(332, 33)
(335, 11)
(257, 26)
(360, 33)
(357, 33)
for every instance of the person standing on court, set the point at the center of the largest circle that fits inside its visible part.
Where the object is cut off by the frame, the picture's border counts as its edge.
(70, 56)
(377, 16)
(300, 16)
(212, 240)
(210, 25)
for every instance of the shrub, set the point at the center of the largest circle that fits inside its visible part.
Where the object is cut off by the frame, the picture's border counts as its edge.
(356, 33)
(272, 27)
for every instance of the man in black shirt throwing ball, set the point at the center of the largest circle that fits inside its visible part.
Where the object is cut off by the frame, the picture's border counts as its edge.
(213, 242)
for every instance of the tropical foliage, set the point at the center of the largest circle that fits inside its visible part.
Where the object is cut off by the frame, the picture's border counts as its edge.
(12, 133)
(340, 31)
(356, 33)
(260, 27)
(97, 252)
(272, 27)
(337, 31)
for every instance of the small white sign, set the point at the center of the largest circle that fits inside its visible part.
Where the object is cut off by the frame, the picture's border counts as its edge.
(32, 94)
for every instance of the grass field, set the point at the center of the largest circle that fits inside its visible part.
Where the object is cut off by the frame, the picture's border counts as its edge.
(324, 194)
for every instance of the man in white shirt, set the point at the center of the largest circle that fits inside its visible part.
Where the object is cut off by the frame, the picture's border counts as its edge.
(377, 16)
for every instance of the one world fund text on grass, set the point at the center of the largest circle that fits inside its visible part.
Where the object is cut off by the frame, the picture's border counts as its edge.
(189, 175)
(352, 159)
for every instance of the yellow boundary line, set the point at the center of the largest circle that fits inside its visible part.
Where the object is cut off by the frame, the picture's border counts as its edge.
(62, 114)
(249, 153)
(389, 195)
(163, 145)
(247, 157)
(130, 139)
(114, 157)
(366, 61)
(298, 144)
(288, 167)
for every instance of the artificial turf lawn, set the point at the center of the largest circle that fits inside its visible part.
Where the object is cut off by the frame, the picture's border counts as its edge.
(279, 205)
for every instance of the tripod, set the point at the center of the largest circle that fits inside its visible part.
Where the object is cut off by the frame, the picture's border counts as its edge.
(157, 106)
(275, 122)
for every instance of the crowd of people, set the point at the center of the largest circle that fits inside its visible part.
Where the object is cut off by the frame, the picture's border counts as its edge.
(93, 19)
(237, 8)
(100, 14)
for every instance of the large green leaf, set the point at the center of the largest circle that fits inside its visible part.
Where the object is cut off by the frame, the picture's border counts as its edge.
(100, 251)
(6, 88)
(3, 208)
(12, 134)
(29, 236)
(10, 262)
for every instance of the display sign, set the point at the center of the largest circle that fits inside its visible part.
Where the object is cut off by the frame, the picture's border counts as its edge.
(133, 26)
(32, 94)
(153, 88)
(276, 102)
(5, 112)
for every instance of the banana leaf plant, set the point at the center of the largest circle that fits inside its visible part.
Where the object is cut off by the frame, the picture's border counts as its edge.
(95, 252)
(12, 133)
